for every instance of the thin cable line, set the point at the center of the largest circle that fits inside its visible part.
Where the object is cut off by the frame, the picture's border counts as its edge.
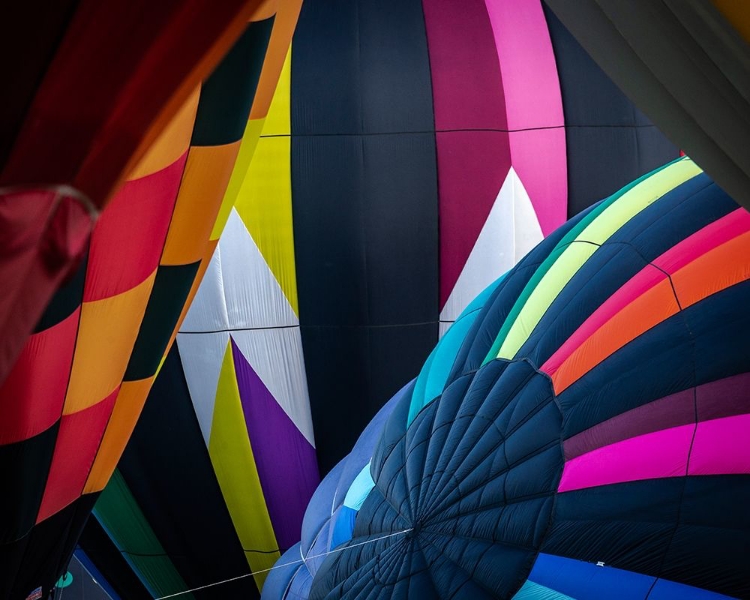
(294, 562)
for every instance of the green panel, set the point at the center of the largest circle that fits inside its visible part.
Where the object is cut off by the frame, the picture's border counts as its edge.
(126, 525)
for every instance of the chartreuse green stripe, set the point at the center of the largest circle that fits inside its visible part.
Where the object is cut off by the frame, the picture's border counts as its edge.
(234, 464)
(568, 256)
(122, 519)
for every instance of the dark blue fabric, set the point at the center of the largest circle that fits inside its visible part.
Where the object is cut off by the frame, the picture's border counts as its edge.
(465, 493)
(365, 199)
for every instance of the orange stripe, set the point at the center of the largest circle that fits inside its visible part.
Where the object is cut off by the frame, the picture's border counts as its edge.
(128, 406)
(106, 337)
(708, 274)
(724, 266)
(645, 312)
(207, 174)
(266, 10)
(278, 46)
(192, 80)
(172, 143)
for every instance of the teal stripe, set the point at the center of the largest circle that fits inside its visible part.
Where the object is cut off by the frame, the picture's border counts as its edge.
(434, 374)
(534, 591)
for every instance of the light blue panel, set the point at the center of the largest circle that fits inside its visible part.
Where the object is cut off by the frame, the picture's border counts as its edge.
(360, 489)
(534, 591)
(434, 374)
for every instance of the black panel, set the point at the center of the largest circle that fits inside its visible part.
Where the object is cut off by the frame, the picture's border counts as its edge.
(365, 208)
(171, 289)
(169, 472)
(373, 364)
(44, 553)
(226, 96)
(361, 67)
(110, 562)
(24, 466)
(66, 299)
(610, 142)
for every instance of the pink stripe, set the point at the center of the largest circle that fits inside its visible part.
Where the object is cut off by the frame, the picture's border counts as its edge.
(473, 149)
(532, 102)
(650, 456)
(721, 447)
(688, 250)
(702, 241)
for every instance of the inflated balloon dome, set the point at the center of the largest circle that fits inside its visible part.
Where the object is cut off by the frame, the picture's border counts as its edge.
(578, 433)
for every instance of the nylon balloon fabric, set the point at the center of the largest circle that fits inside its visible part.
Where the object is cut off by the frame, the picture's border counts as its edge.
(584, 436)
(73, 397)
(432, 144)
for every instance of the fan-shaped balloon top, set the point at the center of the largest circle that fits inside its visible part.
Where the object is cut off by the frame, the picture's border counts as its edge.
(587, 440)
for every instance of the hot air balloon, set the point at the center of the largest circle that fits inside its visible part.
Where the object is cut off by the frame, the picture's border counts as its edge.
(88, 88)
(433, 143)
(583, 436)
(241, 468)
(233, 391)
(72, 398)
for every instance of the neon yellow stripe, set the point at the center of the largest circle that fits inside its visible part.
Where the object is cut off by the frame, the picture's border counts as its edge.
(277, 122)
(234, 464)
(241, 166)
(279, 119)
(576, 254)
(265, 200)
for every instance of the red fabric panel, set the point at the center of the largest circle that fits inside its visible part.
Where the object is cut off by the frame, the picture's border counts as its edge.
(472, 166)
(467, 87)
(77, 444)
(41, 236)
(31, 398)
(129, 237)
(119, 64)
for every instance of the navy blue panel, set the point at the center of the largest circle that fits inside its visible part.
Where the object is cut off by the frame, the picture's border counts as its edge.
(611, 388)
(694, 347)
(466, 493)
(721, 326)
(24, 466)
(361, 67)
(649, 234)
(640, 515)
(109, 561)
(711, 545)
(609, 141)
(227, 95)
(692, 530)
(169, 472)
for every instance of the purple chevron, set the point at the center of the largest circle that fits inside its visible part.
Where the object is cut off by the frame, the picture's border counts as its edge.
(286, 462)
